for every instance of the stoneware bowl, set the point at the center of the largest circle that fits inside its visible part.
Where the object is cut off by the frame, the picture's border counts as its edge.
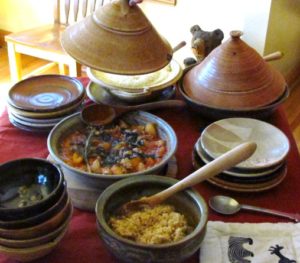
(35, 219)
(37, 241)
(28, 187)
(83, 187)
(40, 229)
(28, 254)
(188, 202)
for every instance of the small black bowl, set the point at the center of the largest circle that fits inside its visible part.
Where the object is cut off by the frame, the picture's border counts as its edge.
(28, 187)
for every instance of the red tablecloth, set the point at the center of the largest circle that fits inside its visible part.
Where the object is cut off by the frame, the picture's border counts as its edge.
(82, 244)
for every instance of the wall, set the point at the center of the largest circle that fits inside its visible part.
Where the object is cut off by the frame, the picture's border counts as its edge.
(174, 22)
(19, 15)
(284, 35)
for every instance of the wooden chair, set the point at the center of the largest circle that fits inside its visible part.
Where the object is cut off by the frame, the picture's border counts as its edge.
(44, 42)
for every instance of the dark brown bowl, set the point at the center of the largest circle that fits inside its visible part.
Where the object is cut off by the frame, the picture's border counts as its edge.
(40, 229)
(28, 187)
(62, 198)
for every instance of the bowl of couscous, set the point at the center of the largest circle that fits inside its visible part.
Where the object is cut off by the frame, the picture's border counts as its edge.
(169, 232)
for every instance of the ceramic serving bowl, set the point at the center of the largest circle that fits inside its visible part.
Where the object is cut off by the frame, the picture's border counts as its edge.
(46, 93)
(37, 241)
(187, 202)
(42, 216)
(84, 187)
(28, 187)
(39, 229)
(28, 254)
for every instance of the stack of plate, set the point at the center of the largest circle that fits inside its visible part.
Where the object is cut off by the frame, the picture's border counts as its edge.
(265, 169)
(36, 104)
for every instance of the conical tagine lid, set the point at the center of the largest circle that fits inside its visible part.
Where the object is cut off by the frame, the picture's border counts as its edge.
(234, 76)
(119, 39)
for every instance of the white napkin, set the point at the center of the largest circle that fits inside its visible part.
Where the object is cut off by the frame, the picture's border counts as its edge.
(249, 242)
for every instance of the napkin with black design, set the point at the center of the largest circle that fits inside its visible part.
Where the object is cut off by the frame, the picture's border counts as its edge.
(251, 243)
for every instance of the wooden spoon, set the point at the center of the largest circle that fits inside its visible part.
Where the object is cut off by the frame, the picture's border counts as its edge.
(224, 162)
(99, 114)
(273, 56)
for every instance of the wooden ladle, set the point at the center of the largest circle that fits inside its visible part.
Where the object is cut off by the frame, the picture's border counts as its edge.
(99, 114)
(224, 162)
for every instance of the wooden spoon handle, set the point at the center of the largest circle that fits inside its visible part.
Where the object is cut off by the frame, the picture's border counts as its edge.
(158, 105)
(273, 56)
(224, 162)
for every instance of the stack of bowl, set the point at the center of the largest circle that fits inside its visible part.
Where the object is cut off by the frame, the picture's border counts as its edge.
(233, 81)
(35, 209)
(136, 88)
(36, 104)
(265, 169)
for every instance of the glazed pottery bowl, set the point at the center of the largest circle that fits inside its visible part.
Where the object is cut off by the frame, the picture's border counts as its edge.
(37, 241)
(84, 187)
(35, 219)
(39, 229)
(28, 187)
(187, 202)
(27, 254)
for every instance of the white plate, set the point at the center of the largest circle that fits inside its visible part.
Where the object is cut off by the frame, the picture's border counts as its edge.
(223, 135)
(235, 171)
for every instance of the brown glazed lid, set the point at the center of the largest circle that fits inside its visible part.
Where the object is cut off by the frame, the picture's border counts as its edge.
(234, 76)
(119, 39)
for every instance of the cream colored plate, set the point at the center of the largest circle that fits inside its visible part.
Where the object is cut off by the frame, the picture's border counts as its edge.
(138, 83)
(222, 136)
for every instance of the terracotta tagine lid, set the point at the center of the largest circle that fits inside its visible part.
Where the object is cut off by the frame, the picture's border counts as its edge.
(234, 76)
(119, 39)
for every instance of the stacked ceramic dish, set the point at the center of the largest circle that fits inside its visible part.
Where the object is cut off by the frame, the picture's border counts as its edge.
(35, 209)
(36, 104)
(233, 81)
(135, 88)
(265, 169)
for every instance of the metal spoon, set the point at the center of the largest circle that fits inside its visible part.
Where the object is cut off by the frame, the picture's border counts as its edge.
(227, 205)
(99, 114)
(225, 161)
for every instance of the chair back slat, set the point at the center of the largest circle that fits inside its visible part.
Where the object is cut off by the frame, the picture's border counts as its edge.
(67, 10)
(56, 13)
(70, 11)
(84, 7)
(92, 6)
(76, 8)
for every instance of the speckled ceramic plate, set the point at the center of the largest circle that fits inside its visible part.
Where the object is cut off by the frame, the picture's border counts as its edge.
(237, 172)
(222, 136)
(269, 182)
(46, 93)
